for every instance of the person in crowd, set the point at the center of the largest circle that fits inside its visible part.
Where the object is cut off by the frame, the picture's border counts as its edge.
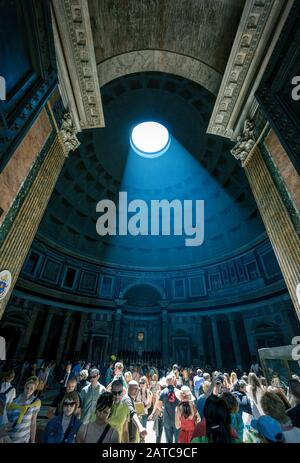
(54, 408)
(136, 431)
(236, 419)
(64, 427)
(269, 430)
(118, 373)
(255, 393)
(120, 416)
(83, 380)
(168, 403)
(226, 383)
(99, 431)
(273, 406)
(255, 368)
(7, 393)
(207, 389)
(186, 378)
(216, 425)
(197, 382)
(233, 379)
(263, 383)
(89, 396)
(76, 370)
(42, 377)
(283, 397)
(154, 386)
(22, 413)
(157, 415)
(185, 415)
(245, 408)
(144, 397)
(128, 377)
(294, 412)
(109, 374)
(4, 427)
(67, 375)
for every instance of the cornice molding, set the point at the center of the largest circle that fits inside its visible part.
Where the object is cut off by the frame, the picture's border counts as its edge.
(76, 62)
(258, 31)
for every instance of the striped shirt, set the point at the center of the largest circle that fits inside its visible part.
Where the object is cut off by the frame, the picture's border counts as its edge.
(21, 430)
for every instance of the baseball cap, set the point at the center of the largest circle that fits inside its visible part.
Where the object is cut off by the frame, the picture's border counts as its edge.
(133, 383)
(268, 427)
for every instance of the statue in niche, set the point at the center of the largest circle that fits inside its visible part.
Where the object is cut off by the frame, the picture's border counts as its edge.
(245, 142)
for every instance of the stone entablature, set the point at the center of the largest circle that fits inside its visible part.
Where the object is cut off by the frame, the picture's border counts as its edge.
(259, 28)
(76, 62)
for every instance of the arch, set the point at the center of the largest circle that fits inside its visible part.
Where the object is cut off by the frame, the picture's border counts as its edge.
(268, 334)
(142, 294)
(161, 61)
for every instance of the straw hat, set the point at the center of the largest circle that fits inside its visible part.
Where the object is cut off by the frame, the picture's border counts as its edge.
(184, 394)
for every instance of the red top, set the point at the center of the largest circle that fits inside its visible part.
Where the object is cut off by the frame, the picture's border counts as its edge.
(187, 426)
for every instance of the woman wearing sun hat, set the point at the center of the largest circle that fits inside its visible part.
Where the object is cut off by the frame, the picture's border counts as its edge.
(186, 415)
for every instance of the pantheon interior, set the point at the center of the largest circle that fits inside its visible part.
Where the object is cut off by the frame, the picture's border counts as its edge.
(77, 76)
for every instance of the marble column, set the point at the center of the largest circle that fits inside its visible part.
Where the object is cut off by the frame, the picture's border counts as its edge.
(216, 341)
(90, 348)
(235, 341)
(80, 333)
(280, 229)
(165, 337)
(250, 339)
(63, 336)
(45, 334)
(200, 339)
(28, 333)
(117, 331)
(17, 242)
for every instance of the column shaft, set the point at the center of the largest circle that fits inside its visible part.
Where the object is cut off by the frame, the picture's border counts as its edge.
(80, 333)
(235, 341)
(117, 330)
(45, 334)
(216, 340)
(165, 338)
(63, 336)
(28, 332)
(280, 229)
(16, 245)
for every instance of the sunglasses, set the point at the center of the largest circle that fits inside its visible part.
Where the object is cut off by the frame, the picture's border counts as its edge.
(93, 377)
(117, 392)
(69, 404)
(142, 382)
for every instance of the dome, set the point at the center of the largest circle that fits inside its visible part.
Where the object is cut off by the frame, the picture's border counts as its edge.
(196, 166)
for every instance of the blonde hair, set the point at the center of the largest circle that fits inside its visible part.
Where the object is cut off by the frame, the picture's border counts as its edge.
(32, 380)
(233, 378)
(128, 375)
(119, 366)
(205, 386)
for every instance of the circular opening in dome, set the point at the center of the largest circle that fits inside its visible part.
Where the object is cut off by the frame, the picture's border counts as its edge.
(150, 139)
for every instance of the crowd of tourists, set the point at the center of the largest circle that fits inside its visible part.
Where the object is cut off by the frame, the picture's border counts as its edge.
(187, 405)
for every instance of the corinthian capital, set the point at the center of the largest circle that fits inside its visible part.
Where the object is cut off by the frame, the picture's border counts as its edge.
(68, 133)
(245, 142)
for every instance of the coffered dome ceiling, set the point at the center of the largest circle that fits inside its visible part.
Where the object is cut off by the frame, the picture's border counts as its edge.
(196, 166)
